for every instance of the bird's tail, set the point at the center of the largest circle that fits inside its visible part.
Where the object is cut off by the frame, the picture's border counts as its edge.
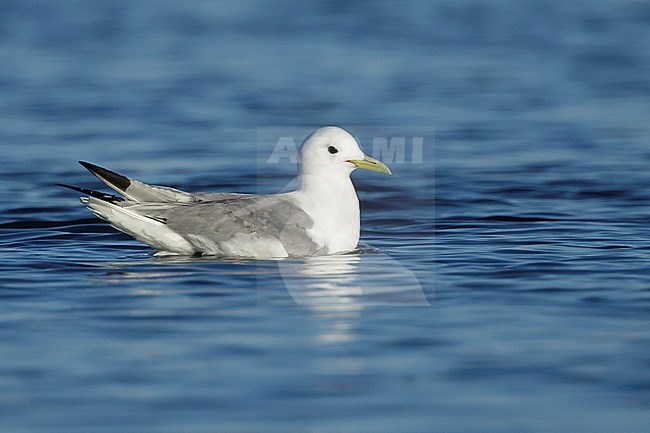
(152, 231)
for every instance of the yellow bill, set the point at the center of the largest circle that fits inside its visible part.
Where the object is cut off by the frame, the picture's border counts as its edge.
(370, 164)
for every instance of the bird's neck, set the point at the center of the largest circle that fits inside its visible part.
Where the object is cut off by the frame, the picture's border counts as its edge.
(333, 205)
(333, 192)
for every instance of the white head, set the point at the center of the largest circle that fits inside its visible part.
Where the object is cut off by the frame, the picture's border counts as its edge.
(332, 151)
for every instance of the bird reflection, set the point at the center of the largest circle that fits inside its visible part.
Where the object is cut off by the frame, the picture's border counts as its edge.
(325, 281)
(351, 281)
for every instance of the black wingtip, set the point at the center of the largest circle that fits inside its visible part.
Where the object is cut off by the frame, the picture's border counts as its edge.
(105, 175)
(90, 167)
(92, 193)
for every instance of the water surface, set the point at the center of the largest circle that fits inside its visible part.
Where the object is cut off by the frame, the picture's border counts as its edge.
(502, 283)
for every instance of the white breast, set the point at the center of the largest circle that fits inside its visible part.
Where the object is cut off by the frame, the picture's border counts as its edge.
(334, 208)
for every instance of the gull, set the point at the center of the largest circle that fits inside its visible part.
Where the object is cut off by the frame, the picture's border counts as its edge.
(320, 217)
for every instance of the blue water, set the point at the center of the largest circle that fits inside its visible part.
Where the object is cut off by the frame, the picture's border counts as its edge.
(502, 284)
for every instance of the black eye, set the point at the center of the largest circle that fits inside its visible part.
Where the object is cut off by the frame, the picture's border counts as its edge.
(332, 149)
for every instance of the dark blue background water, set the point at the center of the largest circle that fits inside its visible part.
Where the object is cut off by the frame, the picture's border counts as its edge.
(525, 224)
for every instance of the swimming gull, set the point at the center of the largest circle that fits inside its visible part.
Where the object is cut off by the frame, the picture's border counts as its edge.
(320, 217)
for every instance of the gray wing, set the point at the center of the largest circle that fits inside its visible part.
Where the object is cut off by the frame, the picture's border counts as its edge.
(221, 219)
(218, 196)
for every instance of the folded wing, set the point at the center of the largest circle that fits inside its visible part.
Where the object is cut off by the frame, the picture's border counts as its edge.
(175, 221)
